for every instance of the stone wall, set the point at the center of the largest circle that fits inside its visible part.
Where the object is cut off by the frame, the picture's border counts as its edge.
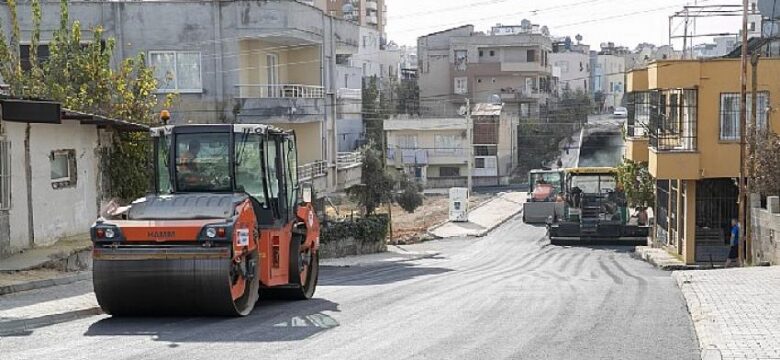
(766, 230)
(350, 246)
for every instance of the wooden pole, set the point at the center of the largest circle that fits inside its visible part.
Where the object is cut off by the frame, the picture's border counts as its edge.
(752, 127)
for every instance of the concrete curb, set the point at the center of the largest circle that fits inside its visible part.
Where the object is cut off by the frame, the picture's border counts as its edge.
(40, 284)
(483, 232)
(24, 325)
(430, 229)
(672, 265)
(502, 222)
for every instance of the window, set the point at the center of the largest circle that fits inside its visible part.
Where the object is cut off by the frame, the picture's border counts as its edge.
(365, 69)
(24, 55)
(407, 141)
(461, 85)
(449, 171)
(249, 168)
(492, 53)
(483, 150)
(752, 26)
(5, 175)
(63, 168)
(461, 58)
(530, 56)
(481, 53)
(163, 161)
(365, 41)
(729, 113)
(446, 144)
(479, 163)
(177, 70)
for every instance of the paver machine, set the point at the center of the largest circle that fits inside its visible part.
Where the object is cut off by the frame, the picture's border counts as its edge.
(595, 211)
(226, 221)
(546, 187)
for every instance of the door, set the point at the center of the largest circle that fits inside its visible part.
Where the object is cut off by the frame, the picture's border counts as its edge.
(272, 75)
(291, 175)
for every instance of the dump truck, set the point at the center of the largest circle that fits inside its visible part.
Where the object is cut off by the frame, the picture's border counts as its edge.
(595, 211)
(546, 185)
(226, 222)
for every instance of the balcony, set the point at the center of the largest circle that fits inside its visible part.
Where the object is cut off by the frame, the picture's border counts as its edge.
(372, 20)
(402, 157)
(350, 94)
(316, 174)
(673, 120)
(280, 103)
(349, 159)
(349, 167)
(372, 5)
(525, 67)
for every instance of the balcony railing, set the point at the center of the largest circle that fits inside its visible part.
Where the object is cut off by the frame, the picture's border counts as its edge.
(312, 170)
(354, 94)
(638, 106)
(348, 159)
(280, 91)
(403, 156)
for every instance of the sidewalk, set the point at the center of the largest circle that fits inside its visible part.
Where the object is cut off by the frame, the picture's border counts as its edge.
(26, 310)
(394, 253)
(64, 254)
(661, 259)
(484, 218)
(736, 312)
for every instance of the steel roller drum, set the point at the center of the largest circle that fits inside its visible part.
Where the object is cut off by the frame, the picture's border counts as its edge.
(168, 281)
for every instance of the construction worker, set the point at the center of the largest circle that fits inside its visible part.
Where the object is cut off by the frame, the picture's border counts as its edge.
(187, 165)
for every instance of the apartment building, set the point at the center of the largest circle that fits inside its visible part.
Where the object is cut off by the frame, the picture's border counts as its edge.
(368, 13)
(608, 78)
(271, 62)
(571, 66)
(511, 63)
(434, 151)
(684, 122)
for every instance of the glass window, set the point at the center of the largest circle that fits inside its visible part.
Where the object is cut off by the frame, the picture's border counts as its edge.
(203, 162)
(446, 144)
(59, 167)
(271, 154)
(449, 171)
(249, 167)
(530, 56)
(177, 70)
(461, 85)
(593, 184)
(163, 165)
(729, 113)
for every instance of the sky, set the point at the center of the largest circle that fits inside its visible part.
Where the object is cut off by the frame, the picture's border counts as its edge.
(624, 22)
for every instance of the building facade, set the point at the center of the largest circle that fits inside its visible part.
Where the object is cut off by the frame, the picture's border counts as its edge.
(684, 122)
(458, 63)
(434, 151)
(271, 62)
(572, 69)
(368, 13)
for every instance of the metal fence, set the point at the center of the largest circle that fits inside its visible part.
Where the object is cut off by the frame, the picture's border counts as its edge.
(638, 106)
(347, 159)
(673, 119)
(312, 170)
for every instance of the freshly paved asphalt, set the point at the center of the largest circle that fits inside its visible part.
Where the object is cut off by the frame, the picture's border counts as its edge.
(509, 295)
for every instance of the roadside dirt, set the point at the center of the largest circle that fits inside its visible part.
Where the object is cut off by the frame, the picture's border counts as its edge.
(411, 228)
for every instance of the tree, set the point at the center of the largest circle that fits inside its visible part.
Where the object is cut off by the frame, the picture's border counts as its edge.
(373, 112)
(79, 75)
(411, 195)
(407, 94)
(637, 183)
(766, 178)
(377, 184)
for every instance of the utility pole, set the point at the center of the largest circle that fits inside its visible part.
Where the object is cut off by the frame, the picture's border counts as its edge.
(750, 148)
(469, 145)
(742, 124)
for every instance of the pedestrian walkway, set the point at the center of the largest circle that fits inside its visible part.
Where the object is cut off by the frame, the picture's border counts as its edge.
(484, 218)
(61, 251)
(736, 312)
(27, 310)
(661, 259)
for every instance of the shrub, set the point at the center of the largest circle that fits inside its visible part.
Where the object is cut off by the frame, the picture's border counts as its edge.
(366, 230)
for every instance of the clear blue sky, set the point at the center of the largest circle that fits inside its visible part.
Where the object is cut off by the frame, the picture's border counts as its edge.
(625, 22)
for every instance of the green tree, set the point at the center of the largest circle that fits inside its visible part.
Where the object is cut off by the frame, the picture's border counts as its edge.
(637, 183)
(377, 184)
(411, 195)
(373, 112)
(407, 94)
(79, 75)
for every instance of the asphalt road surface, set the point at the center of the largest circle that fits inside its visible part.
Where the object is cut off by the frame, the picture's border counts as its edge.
(509, 295)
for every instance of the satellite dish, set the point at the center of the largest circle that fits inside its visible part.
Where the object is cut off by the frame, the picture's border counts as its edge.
(494, 99)
(578, 38)
(462, 111)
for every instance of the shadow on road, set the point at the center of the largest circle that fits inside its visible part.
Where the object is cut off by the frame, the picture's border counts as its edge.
(270, 321)
(375, 275)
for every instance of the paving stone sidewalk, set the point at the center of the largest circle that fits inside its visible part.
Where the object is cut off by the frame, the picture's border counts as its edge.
(484, 218)
(736, 312)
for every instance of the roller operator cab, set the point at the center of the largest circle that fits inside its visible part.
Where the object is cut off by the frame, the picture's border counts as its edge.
(595, 212)
(545, 195)
(226, 222)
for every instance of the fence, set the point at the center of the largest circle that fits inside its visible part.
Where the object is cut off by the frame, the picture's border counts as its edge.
(673, 119)
(313, 169)
(347, 159)
(297, 91)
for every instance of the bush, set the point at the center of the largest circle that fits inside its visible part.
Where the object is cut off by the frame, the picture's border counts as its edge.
(411, 197)
(366, 230)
